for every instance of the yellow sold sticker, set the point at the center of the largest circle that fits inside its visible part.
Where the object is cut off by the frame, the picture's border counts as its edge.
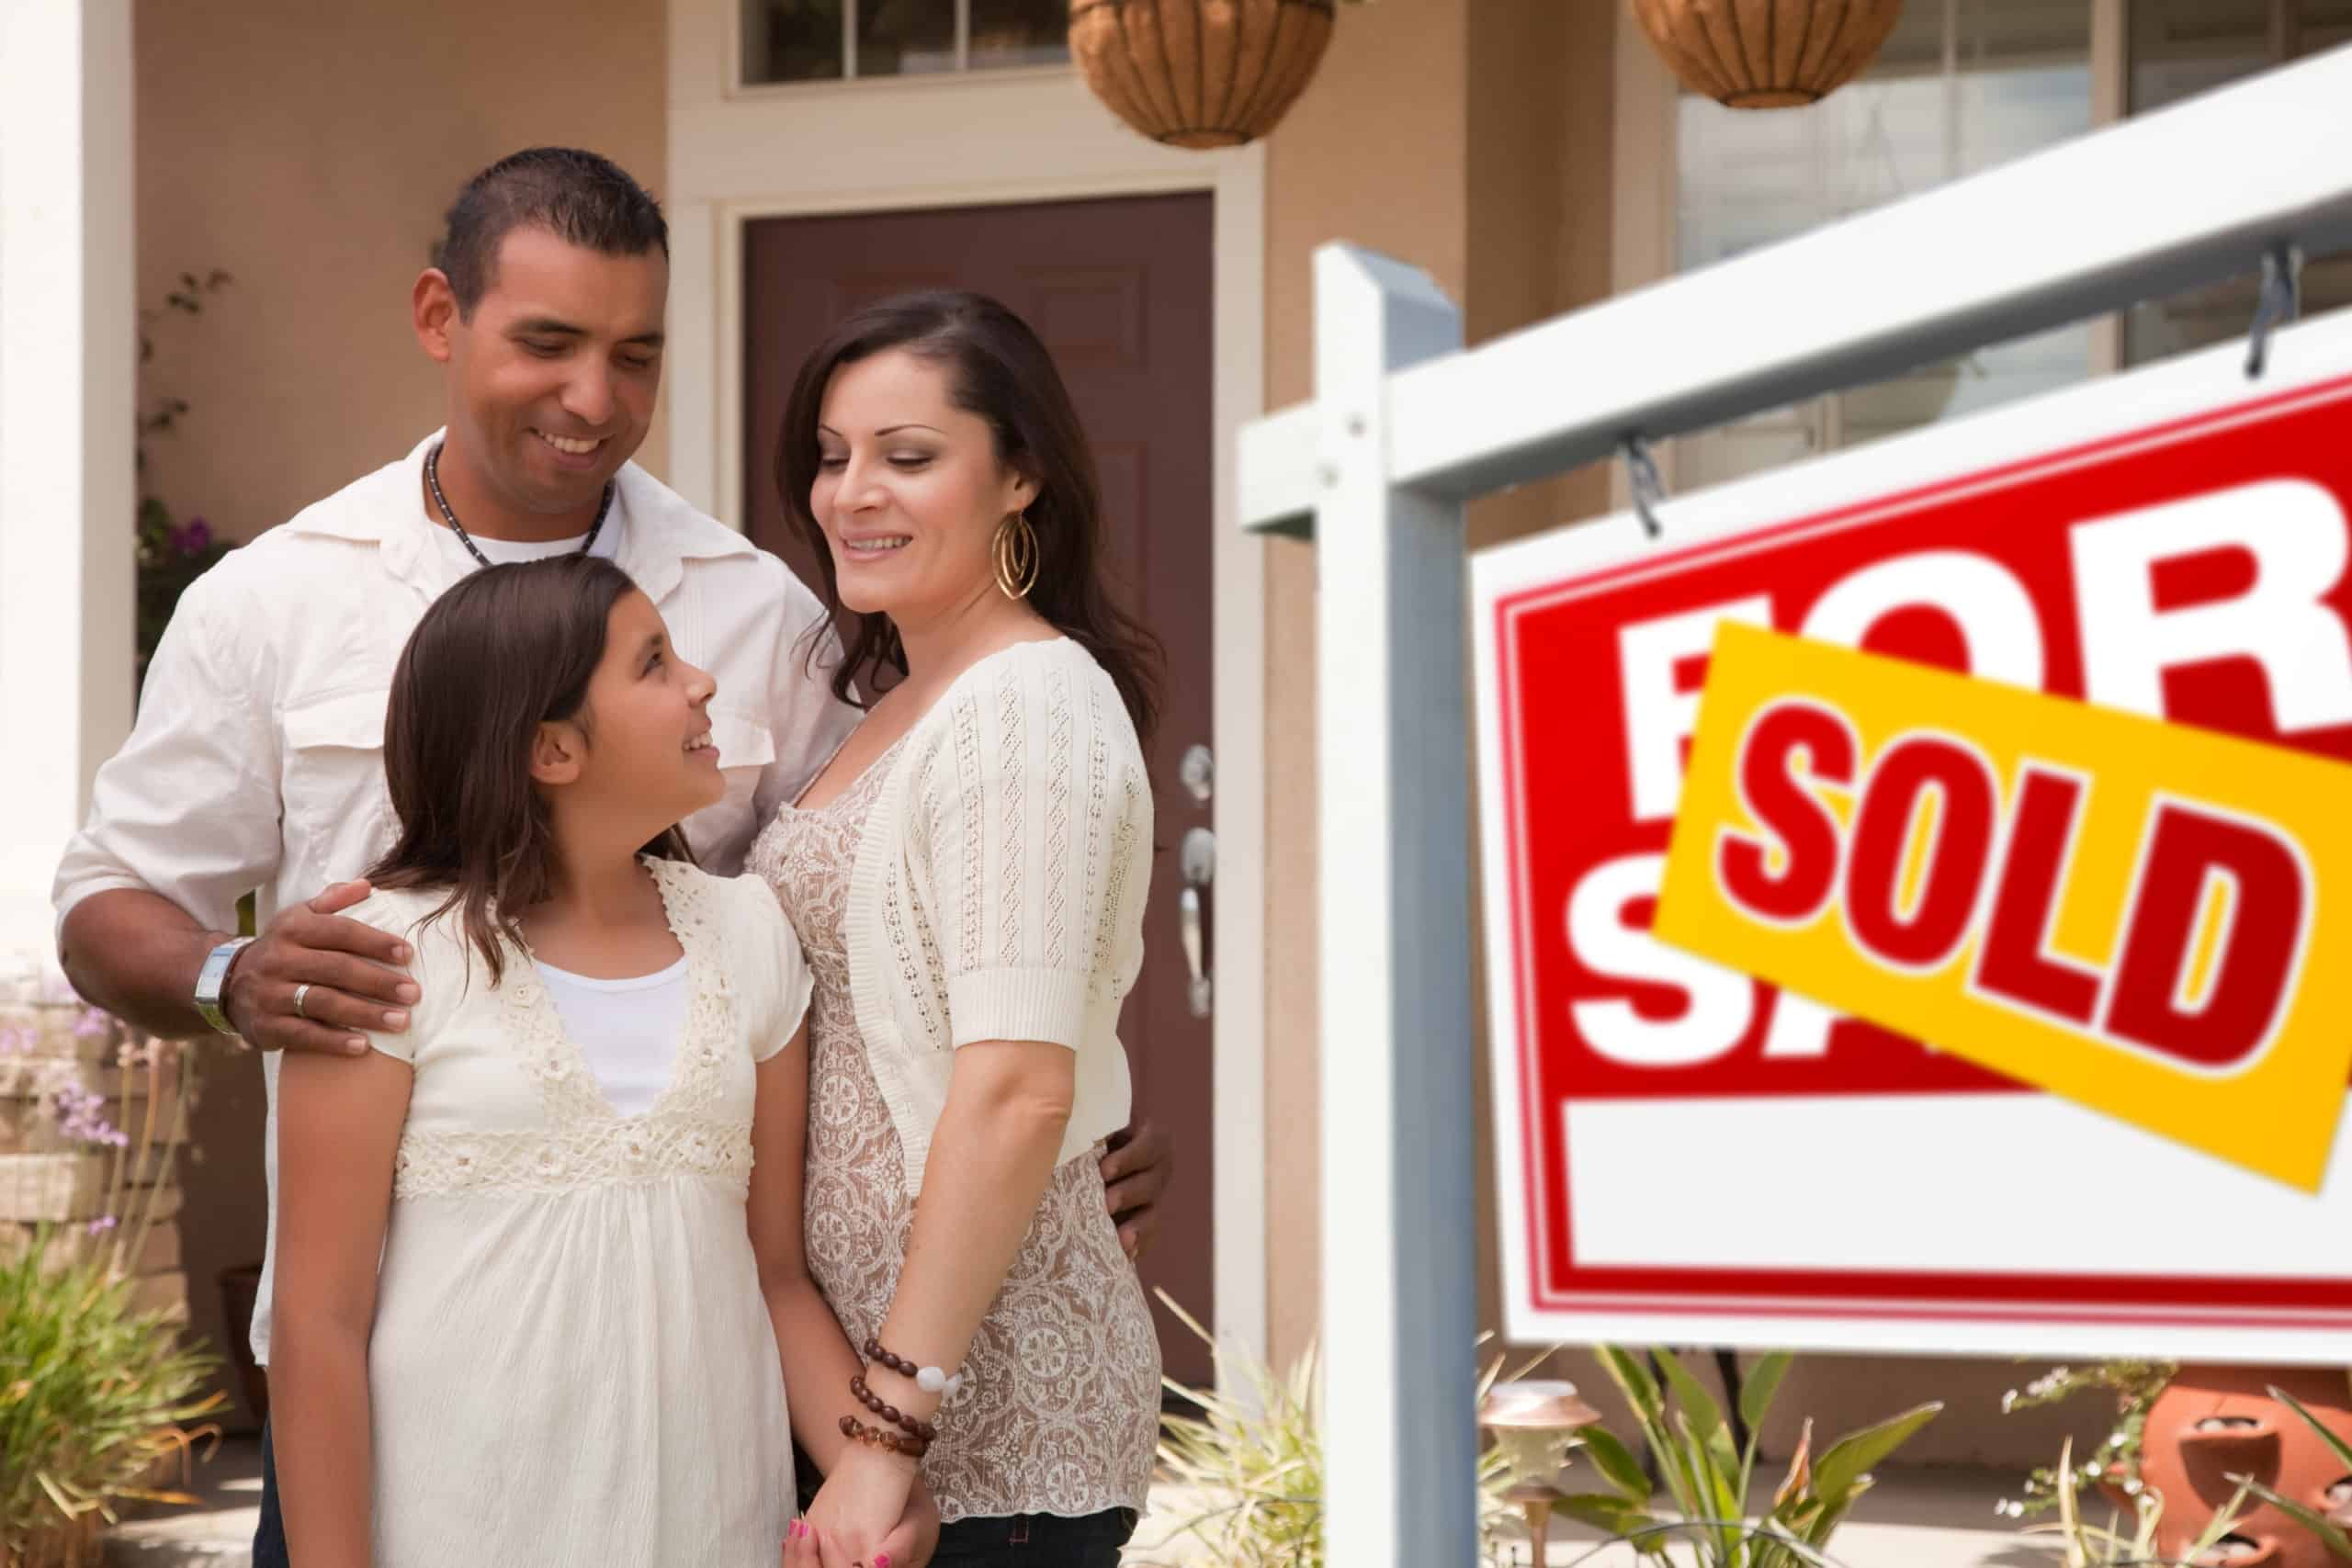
(2149, 919)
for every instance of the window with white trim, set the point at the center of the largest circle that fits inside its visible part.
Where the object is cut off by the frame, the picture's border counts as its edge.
(830, 40)
(1962, 85)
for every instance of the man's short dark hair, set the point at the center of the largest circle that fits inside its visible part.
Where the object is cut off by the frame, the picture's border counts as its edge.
(578, 197)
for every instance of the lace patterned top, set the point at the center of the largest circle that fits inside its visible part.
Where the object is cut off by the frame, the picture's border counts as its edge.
(1061, 1407)
(996, 891)
(572, 1361)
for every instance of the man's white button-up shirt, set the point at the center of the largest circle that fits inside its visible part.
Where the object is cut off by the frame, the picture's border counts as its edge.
(258, 760)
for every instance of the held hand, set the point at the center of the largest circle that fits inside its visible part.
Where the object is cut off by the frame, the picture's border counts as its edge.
(916, 1536)
(861, 1504)
(1135, 1165)
(341, 961)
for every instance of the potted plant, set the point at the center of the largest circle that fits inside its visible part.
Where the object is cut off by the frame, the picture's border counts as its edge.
(97, 1392)
(1199, 73)
(1772, 53)
(1708, 1475)
(1251, 1463)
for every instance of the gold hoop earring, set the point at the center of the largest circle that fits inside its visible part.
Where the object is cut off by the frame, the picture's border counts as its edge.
(1016, 555)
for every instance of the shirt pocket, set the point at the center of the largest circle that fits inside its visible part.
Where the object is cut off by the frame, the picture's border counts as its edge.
(333, 783)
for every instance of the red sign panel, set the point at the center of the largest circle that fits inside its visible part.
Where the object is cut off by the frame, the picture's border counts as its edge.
(1688, 1153)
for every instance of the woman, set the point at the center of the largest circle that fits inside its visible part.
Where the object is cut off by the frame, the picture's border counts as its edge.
(581, 1166)
(966, 878)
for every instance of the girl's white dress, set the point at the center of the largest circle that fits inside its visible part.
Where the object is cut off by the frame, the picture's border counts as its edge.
(571, 1361)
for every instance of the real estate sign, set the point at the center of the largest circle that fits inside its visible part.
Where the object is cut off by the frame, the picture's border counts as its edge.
(1919, 886)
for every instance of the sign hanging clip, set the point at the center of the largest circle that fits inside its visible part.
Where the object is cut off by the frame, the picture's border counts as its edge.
(1641, 475)
(2277, 304)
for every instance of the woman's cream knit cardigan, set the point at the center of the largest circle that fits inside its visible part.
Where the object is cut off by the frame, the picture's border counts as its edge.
(998, 891)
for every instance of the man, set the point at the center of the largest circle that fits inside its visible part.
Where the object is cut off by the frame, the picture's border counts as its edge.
(258, 759)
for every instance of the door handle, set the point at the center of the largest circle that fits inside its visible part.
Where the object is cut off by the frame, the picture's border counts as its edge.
(1198, 859)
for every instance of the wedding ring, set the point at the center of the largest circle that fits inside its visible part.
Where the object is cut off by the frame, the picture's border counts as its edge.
(301, 994)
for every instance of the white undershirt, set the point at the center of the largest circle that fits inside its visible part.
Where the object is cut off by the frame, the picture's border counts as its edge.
(627, 1030)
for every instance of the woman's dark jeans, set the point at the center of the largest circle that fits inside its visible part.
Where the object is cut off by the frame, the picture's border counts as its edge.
(269, 1536)
(1036, 1541)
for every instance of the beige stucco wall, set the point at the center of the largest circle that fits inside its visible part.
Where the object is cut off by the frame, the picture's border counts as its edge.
(1470, 138)
(309, 150)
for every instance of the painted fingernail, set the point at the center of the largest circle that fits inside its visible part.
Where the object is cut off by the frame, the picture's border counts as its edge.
(356, 1045)
(396, 1021)
(881, 1560)
(403, 954)
(408, 994)
(797, 1527)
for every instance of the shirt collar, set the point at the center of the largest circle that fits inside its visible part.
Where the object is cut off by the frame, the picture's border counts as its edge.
(661, 532)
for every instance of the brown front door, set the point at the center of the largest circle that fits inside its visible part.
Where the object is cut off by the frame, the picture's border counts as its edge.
(1119, 291)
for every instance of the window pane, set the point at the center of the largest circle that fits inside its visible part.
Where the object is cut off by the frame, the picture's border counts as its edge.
(792, 40)
(905, 38)
(2019, 82)
(2181, 48)
(1983, 379)
(1020, 32)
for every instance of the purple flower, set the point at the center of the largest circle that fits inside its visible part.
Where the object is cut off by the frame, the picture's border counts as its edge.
(90, 1025)
(80, 1115)
(103, 1223)
(192, 537)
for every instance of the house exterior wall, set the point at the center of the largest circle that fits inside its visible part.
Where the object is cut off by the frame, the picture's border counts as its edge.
(310, 151)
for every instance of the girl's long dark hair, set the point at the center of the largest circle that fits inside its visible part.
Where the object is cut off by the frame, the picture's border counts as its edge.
(509, 649)
(999, 370)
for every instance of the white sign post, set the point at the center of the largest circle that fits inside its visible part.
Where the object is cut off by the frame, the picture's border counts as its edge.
(1403, 431)
(1399, 1260)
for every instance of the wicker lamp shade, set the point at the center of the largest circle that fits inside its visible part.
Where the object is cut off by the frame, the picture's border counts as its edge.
(1765, 55)
(1199, 74)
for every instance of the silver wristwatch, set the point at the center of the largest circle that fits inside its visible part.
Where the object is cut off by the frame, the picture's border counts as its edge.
(214, 977)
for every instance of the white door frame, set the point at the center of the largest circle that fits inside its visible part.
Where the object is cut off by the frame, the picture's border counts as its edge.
(736, 154)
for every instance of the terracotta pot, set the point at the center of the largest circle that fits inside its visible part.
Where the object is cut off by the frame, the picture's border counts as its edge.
(2212, 1422)
(1199, 74)
(1765, 54)
(76, 1544)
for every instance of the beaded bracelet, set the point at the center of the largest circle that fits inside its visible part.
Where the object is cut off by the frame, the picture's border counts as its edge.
(875, 1436)
(931, 1379)
(890, 1413)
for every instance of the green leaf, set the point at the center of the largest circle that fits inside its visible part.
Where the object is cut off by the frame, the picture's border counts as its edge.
(1852, 1456)
(1762, 1381)
(1704, 1413)
(2333, 1539)
(1616, 1463)
(1714, 1486)
(1602, 1511)
(1713, 1459)
(1641, 1390)
(2342, 1449)
(2223, 1521)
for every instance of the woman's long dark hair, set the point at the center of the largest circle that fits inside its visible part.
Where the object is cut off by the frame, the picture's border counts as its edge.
(999, 370)
(509, 649)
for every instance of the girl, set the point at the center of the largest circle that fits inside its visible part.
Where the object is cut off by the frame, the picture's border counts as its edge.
(968, 878)
(581, 1166)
